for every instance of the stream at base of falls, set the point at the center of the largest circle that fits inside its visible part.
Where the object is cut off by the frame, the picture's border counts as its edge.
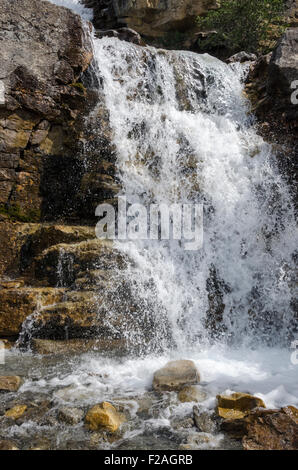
(153, 421)
(183, 134)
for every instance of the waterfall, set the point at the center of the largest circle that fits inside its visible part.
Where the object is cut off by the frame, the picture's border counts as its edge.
(183, 133)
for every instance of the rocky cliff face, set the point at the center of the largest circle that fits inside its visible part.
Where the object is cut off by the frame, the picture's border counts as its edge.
(271, 88)
(46, 94)
(45, 52)
(150, 18)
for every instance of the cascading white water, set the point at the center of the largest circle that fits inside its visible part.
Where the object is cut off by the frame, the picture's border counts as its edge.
(182, 131)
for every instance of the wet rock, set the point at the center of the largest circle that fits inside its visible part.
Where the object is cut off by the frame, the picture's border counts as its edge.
(103, 417)
(10, 383)
(8, 445)
(70, 416)
(266, 429)
(77, 346)
(242, 57)
(204, 421)
(175, 375)
(192, 393)
(41, 444)
(237, 405)
(17, 304)
(145, 403)
(198, 440)
(124, 34)
(43, 237)
(77, 258)
(16, 412)
(39, 413)
(184, 423)
(272, 430)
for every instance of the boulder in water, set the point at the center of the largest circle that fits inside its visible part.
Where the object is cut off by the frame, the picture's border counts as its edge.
(10, 383)
(272, 430)
(266, 429)
(16, 412)
(237, 405)
(103, 417)
(123, 34)
(175, 375)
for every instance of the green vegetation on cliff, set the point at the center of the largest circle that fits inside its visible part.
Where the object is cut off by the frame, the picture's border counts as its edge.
(16, 214)
(250, 25)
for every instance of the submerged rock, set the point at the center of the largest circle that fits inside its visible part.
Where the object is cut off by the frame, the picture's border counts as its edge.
(192, 393)
(8, 445)
(10, 383)
(70, 415)
(103, 417)
(204, 421)
(174, 375)
(237, 405)
(183, 423)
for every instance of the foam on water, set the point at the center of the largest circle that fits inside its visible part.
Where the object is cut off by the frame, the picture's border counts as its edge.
(267, 373)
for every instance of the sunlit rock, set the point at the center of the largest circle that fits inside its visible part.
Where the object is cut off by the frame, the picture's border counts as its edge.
(174, 375)
(16, 412)
(237, 405)
(103, 417)
(10, 383)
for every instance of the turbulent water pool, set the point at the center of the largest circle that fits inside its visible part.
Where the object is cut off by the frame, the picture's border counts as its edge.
(155, 421)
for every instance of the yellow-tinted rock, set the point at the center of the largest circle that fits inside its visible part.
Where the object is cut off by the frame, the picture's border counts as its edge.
(16, 412)
(16, 304)
(10, 383)
(103, 416)
(237, 405)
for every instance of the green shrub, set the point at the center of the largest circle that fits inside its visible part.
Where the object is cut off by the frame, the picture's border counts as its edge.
(250, 25)
(79, 86)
